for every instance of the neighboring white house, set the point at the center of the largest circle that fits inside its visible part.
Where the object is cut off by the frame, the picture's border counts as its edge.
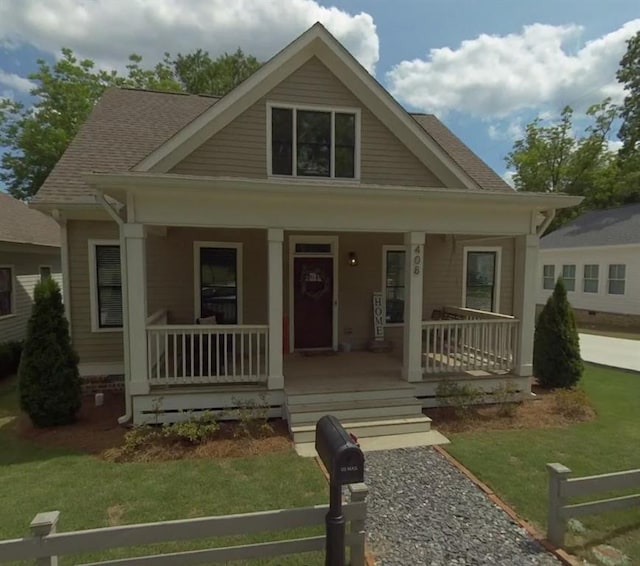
(598, 257)
(29, 250)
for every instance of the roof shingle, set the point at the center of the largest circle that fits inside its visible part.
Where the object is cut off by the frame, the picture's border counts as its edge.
(23, 225)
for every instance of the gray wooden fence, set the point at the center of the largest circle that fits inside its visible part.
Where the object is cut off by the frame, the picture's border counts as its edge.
(45, 544)
(562, 488)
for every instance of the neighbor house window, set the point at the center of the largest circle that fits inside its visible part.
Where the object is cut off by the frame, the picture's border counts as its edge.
(590, 279)
(314, 143)
(393, 284)
(548, 276)
(569, 277)
(481, 279)
(45, 272)
(617, 275)
(6, 291)
(219, 282)
(108, 281)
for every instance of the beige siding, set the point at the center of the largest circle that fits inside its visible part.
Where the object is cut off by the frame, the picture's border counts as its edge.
(240, 150)
(26, 274)
(92, 347)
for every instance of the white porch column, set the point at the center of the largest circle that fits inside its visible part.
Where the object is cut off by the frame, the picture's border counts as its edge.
(412, 339)
(524, 300)
(275, 378)
(135, 286)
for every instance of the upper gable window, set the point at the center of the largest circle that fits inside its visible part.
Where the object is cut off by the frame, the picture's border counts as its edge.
(310, 142)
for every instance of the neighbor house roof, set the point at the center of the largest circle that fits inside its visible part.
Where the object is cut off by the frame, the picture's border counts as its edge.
(610, 227)
(23, 225)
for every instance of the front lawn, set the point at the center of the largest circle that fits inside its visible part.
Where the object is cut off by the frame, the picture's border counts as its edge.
(512, 462)
(90, 492)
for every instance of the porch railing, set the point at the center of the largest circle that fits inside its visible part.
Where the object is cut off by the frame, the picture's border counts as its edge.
(203, 354)
(483, 341)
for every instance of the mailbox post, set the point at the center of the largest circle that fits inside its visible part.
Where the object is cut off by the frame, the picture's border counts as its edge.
(345, 463)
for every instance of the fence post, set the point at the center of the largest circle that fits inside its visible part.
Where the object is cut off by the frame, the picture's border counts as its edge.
(357, 493)
(556, 525)
(44, 524)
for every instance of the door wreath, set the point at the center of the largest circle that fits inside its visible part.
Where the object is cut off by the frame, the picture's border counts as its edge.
(314, 283)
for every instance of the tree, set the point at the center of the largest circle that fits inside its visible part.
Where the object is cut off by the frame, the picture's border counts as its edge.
(556, 349)
(49, 381)
(35, 137)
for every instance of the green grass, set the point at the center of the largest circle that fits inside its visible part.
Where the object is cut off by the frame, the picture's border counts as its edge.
(86, 489)
(513, 462)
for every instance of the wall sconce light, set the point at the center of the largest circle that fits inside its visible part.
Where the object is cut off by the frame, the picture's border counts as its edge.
(353, 259)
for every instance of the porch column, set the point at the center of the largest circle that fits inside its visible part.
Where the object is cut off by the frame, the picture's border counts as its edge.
(275, 377)
(134, 284)
(524, 300)
(412, 338)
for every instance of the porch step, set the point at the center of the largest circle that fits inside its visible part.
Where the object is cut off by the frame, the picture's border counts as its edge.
(368, 428)
(302, 398)
(354, 410)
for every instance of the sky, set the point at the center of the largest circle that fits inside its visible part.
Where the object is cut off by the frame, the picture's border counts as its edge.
(484, 67)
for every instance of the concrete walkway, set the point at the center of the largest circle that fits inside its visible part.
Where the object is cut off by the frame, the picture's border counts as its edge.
(614, 352)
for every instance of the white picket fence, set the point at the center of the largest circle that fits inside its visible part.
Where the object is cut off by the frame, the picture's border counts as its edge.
(45, 545)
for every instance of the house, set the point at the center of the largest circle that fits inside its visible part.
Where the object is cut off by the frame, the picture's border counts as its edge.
(29, 251)
(265, 242)
(598, 257)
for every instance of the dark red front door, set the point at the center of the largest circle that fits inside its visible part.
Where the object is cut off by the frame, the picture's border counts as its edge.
(313, 302)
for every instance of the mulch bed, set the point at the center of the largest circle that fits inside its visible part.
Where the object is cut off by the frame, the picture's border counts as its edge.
(97, 432)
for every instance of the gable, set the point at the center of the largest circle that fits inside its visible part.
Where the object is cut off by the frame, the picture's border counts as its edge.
(240, 148)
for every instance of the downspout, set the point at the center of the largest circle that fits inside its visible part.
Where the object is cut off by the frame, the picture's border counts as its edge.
(125, 307)
(549, 215)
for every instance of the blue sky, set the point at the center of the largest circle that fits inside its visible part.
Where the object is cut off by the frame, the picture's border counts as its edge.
(486, 67)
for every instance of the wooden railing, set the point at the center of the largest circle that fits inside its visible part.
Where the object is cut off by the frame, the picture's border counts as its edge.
(562, 488)
(457, 346)
(45, 545)
(219, 353)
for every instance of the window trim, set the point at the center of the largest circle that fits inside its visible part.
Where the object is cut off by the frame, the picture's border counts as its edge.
(585, 279)
(314, 108)
(13, 280)
(197, 246)
(497, 275)
(609, 294)
(575, 277)
(93, 286)
(545, 277)
(385, 249)
(49, 267)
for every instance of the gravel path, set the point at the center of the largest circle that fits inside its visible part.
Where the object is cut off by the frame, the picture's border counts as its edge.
(422, 510)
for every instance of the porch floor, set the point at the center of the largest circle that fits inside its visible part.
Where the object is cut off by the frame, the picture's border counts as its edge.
(340, 371)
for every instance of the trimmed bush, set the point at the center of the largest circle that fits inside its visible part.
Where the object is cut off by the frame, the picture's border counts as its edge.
(9, 357)
(49, 381)
(556, 349)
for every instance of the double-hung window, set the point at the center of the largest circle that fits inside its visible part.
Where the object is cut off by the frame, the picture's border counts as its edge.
(306, 142)
(548, 276)
(617, 275)
(393, 283)
(45, 272)
(569, 277)
(6, 291)
(106, 285)
(482, 268)
(219, 281)
(590, 279)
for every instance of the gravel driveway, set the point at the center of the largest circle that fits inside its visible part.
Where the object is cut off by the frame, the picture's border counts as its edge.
(422, 510)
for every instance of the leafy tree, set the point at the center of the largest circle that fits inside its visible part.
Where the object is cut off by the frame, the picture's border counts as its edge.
(556, 348)
(49, 381)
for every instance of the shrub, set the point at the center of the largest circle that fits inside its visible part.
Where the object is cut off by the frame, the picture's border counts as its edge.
(252, 417)
(506, 400)
(556, 351)
(9, 357)
(49, 382)
(461, 397)
(572, 403)
(139, 436)
(195, 430)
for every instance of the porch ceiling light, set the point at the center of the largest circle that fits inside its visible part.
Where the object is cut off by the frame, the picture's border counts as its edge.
(353, 259)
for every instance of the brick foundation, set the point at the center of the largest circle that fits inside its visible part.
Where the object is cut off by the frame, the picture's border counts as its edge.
(607, 320)
(102, 383)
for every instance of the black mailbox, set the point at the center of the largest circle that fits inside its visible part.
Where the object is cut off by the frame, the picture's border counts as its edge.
(345, 463)
(339, 453)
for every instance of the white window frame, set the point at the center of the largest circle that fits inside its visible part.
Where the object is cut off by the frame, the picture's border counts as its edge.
(576, 286)
(12, 275)
(314, 108)
(609, 279)
(93, 285)
(545, 277)
(197, 246)
(385, 249)
(497, 274)
(585, 279)
(49, 267)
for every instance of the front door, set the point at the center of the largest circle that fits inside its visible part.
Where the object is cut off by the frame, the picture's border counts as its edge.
(313, 302)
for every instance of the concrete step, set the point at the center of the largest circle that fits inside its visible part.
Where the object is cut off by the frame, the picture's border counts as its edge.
(402, 391)
(370, 427)
(354, 410)
(387, 442)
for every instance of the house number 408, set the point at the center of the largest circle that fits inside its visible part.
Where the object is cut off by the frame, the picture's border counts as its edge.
(417, 260)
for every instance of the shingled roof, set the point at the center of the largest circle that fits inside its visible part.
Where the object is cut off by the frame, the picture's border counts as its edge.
(128, 124)
(23, 225)
(610, 227)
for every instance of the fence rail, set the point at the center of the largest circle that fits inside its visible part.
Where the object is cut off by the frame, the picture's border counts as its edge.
(456, 346)
(199, 354)
(562, 488)
(45, 545)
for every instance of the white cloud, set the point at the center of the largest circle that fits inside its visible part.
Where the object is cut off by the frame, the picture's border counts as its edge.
(511, 131)
(498, 75)
(507, 176)
(15, 83)
(109, 30)
(614, 146)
